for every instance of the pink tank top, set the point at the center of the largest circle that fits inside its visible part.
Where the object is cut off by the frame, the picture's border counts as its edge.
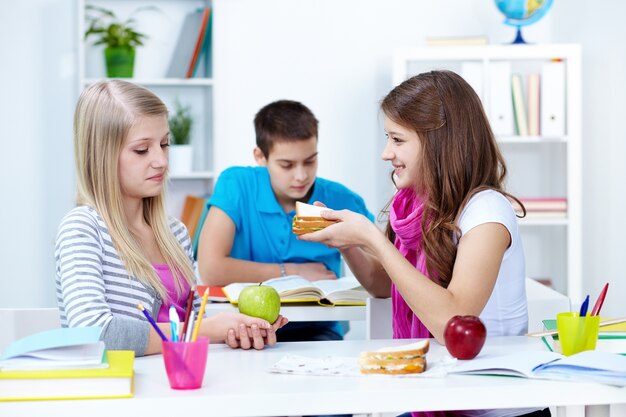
(179, 302)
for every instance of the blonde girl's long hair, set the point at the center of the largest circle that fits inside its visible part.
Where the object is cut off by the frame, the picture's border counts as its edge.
(105, 113)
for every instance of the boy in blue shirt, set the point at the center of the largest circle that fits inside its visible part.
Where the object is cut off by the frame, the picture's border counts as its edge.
(247, 233)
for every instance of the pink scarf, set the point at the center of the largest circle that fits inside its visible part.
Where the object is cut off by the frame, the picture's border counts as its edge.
(406, 219)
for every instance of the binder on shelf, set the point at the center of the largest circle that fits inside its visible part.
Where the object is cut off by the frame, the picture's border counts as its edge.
(191, 29)
(500, 100)
(553, 99)
(472, 72)
(533, 104)
(519, 107)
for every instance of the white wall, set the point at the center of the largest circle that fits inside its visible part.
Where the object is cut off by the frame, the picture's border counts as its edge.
(598, 26)
(37, 90)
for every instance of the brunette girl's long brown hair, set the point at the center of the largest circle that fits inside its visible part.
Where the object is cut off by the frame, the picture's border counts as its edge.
(459, 157)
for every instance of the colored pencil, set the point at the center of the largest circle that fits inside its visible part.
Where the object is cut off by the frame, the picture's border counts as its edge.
(151, 320)
(196, 327)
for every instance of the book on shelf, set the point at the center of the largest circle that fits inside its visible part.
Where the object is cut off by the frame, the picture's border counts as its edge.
(544, 203)
(611, 338)
(62, 348)
(472, 72)
(519, 105)
(296, 289)
(539, 214)
(592, 365)
(543, 207)
(193, 208)
(206, 51)
(533, 104)
(114, 381)
(552, 107)
(456, 41)
(195, 238)
(197, 51)
(192, 30)
(216, 293)
(500, 111)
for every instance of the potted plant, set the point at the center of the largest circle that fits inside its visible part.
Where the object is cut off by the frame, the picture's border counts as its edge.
(119, 37)
(180, 123)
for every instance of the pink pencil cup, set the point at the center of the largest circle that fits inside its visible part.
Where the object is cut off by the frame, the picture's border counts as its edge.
(185, 363)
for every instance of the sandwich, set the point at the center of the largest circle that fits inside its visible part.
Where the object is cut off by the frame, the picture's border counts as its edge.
(308, 219)
(397, 360)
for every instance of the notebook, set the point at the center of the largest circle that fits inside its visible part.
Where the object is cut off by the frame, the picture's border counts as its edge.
(592, 365)
(114, 381)
(62, 348)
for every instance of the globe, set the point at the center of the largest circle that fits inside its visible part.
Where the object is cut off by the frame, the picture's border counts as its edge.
(522, 13)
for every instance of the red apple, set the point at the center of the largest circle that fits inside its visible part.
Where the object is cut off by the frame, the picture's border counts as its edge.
(464, 336)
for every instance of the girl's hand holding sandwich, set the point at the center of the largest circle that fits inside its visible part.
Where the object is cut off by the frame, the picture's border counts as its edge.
(352, 229)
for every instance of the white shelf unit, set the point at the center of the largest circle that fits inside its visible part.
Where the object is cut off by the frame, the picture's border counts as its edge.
(162, 26)
(538, 166)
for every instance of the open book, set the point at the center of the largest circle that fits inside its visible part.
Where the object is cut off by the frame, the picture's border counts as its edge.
(62, 348)
(296, 289)
(592, 365)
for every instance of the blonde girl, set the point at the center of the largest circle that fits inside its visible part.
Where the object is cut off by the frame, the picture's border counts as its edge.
(118, 248)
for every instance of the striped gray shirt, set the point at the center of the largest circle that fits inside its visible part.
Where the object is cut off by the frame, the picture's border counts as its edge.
(93, 286)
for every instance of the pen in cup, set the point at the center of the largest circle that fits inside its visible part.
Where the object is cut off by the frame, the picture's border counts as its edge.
(186, 326)
(192, 318)
(174, 323)
(151, 320)
(584, 307)
(596, 308)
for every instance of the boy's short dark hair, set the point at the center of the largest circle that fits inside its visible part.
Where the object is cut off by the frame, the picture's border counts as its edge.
(283, 120)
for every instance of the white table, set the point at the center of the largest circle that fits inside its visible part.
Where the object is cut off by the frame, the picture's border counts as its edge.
(237, 384)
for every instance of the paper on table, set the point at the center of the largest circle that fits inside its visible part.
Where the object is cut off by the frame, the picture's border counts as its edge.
(348, 366)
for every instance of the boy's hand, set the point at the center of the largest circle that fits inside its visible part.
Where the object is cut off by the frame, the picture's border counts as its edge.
(313, 271)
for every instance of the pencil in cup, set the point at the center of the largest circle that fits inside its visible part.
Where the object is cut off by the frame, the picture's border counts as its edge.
(185, 363)
(152, 322)
(196, 328)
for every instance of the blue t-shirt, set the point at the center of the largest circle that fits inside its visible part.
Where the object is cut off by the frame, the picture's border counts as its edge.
(263, 229)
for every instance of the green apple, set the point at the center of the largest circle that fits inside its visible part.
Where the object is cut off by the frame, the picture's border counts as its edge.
(260, 301)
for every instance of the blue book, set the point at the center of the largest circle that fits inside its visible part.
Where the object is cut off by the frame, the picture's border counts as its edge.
(62, 348)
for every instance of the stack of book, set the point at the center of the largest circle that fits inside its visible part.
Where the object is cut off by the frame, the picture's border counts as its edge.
(64, 363)
(544, 207)
(524, 104)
